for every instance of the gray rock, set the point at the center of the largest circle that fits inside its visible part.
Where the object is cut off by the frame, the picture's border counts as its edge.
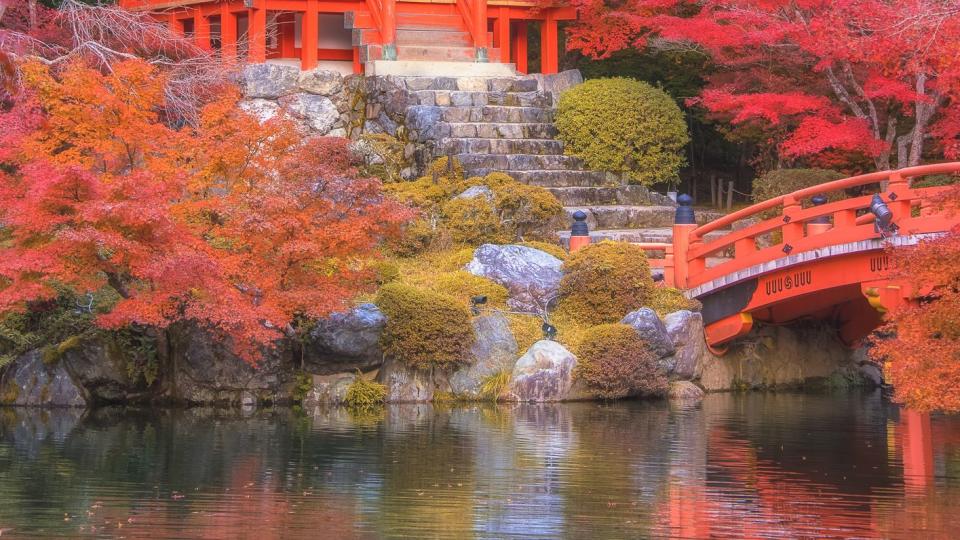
(346, 341)
(269, 81)
(101, 373)
(494, 350)
(30, 382)
(472, 84)
(404, 384)
(262, 109)
(424, 120)
(685, 391)
(318, 112)
(685, 329)
(323, 82)
(473, 192)
(557, 83)
(328, 390)
(531, 276)
(646, 322)
(209, 373)
(872, 374)
(544, 373)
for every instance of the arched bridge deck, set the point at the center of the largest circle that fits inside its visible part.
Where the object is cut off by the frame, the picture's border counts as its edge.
(799, 256)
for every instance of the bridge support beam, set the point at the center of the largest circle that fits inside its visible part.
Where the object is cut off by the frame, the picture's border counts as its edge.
(721, 332)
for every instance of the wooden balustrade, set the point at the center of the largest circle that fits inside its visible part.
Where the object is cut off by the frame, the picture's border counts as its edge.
(800, 229)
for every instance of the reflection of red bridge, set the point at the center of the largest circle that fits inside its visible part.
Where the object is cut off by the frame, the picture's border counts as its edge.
(824, 261)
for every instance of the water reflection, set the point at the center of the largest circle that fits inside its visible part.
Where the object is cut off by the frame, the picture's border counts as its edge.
(762, 465)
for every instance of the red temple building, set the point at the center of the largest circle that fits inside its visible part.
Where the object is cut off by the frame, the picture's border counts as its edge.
(482, 37)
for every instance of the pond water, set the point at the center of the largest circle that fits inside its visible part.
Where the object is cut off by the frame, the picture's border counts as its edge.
(754, 465)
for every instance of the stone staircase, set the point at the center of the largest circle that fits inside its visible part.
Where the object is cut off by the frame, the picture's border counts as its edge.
(506, 125)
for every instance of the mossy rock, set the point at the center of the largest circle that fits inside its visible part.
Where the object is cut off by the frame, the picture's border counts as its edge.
(473, 221)
(614, 362)
(625, 126)
(424, 328)
(463, 286)
(603, 282)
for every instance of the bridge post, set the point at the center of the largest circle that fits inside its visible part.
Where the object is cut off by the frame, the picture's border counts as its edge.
(792, 230)
(580, 232)
(684, 222)
(818, 225)
(897, 203)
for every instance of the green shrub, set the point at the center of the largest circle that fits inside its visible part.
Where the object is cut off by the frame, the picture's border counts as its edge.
(527, 210)
(472, 221)
(424, 329)
(363, 393)
(783, 181)
(625, 126)
(302, 385)
(443, 167)
(385, 271)
(615, 362)
(603, 282)
(418, 236)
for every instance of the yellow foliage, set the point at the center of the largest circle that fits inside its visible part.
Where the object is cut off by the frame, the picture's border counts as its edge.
(363, 393)
(424, 328)
(615, 362)
(605, 281)
(666, 300)
(623, 125)
(473, 221)
(463, 285)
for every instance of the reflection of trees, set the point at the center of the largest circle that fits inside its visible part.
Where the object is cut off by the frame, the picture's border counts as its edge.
(619, 470)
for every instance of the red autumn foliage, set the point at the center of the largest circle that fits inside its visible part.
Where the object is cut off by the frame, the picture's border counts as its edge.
(872, 77)
(239, 226)
(920, 345)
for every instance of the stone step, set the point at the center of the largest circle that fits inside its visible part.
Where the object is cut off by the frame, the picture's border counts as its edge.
(500, 146)
(459, 98)
(511, 163)
(604, 195)
(632, 217)
(497, 114)
(548, 179)
(636, 236)
(423, 53)
(420, 68)
(491, 130)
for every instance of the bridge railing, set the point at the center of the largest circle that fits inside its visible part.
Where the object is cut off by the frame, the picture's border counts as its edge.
(795, 229)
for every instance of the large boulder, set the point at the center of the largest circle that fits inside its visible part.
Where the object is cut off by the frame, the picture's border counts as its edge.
(557, 83)
(649, 326)
(209, 373)
(346, 341)
(531, 276)
(269, 81)
(328, 390)
(544, 373)
(101, 370)
(405, 384)
(30, 382)
(323, 82)
(318, 112)
(262, 109)
(685, 329)
(494, 350)
(685, 391)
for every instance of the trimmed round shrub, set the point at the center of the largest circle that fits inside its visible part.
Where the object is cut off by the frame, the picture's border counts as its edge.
(625, 126)
(424, 329)
(782, 181)
(603, 282)
(615, 362)
(666, 300)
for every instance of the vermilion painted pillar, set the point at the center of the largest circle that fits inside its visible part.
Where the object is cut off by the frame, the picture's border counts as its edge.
(228, 33)
(308, 36)
(503, 35)
(201, 30)
(257, 33)
(549, 46)
(286, 23)
(480, 24)
(520, 46)
(174, 24)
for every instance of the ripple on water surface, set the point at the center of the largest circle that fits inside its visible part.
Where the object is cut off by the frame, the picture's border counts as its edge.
(759, 466)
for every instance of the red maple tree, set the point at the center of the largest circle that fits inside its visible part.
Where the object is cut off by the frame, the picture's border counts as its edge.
(869, 77)
(239, 226)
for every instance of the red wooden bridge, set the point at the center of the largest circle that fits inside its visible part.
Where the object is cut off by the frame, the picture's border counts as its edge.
(800, 257)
